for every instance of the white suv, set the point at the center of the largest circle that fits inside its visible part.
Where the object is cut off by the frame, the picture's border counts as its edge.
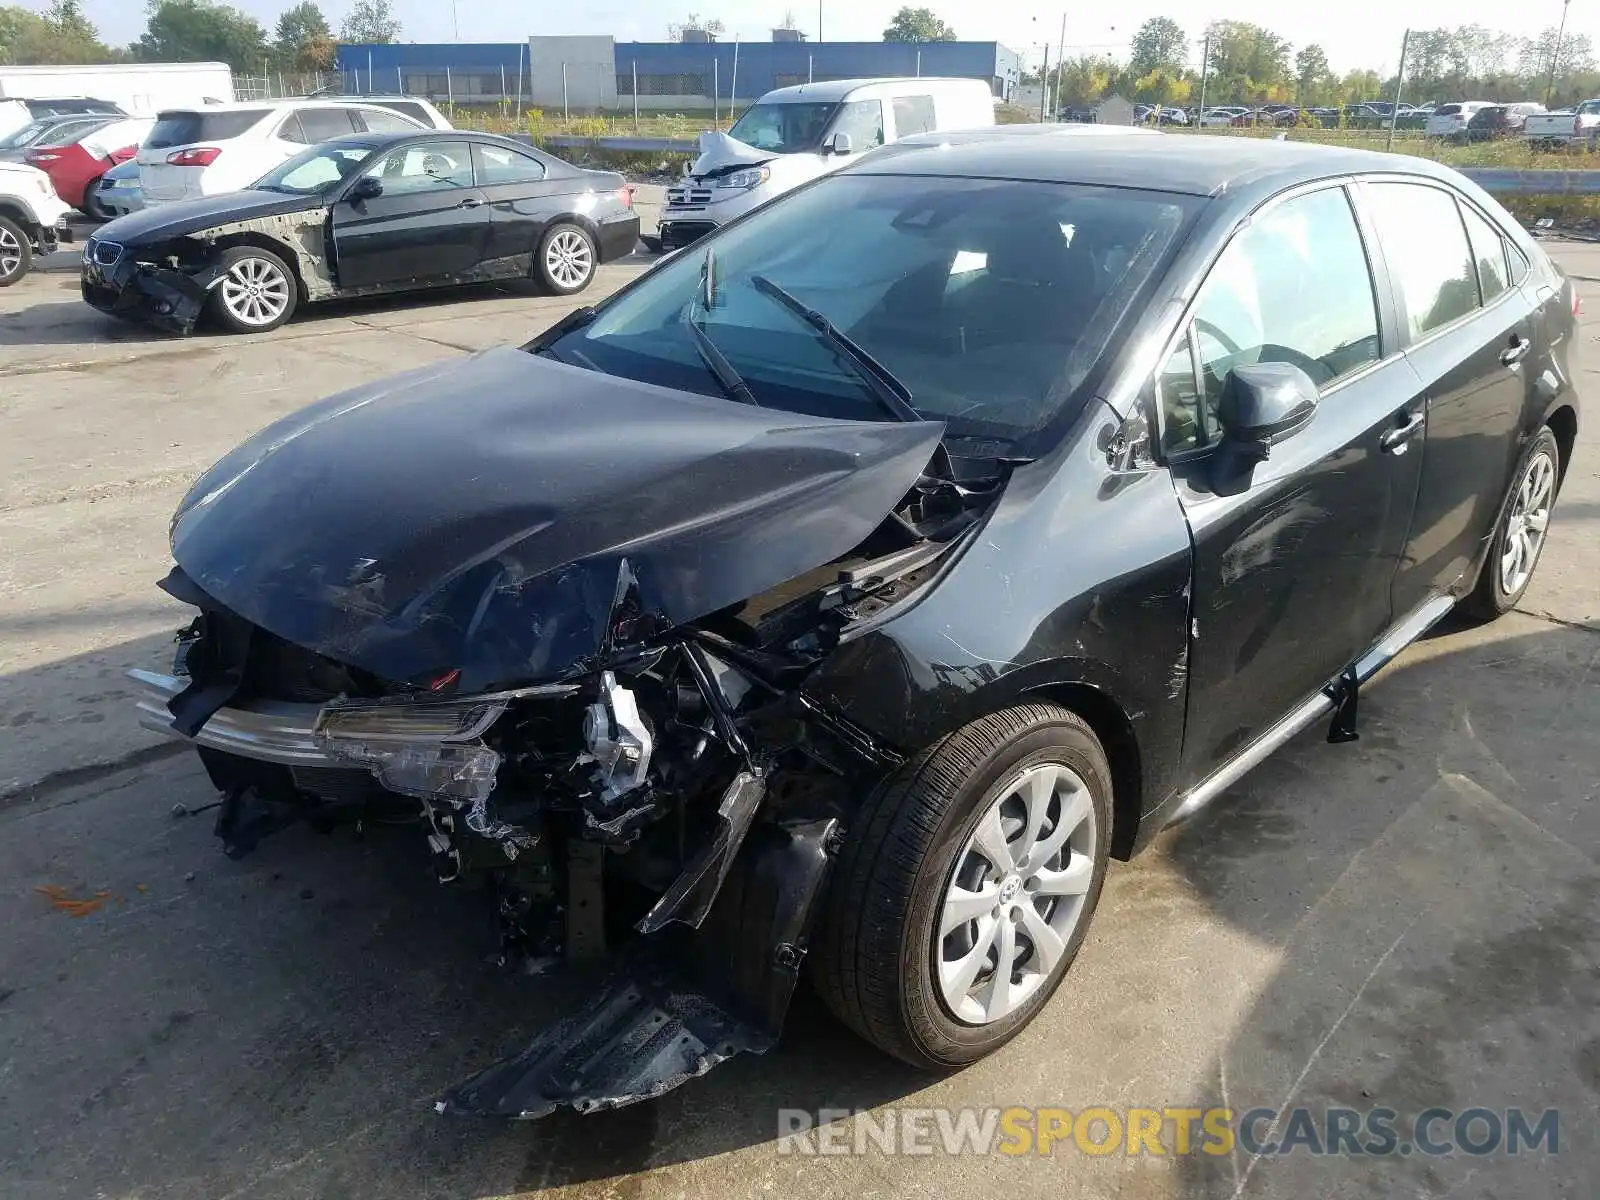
(195, 152)
(32, 219)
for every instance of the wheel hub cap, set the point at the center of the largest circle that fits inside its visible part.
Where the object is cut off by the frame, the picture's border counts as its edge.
(1016, 894)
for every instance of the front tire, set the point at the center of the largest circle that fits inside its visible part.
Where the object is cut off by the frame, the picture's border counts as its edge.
(1519, 536)
(988, 851)
(16, 252)
(258, 292)
(566, 259)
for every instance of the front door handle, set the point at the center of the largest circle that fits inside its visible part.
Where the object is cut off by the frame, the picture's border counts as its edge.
(1516, 351)
(1398, 438)
(471, 202)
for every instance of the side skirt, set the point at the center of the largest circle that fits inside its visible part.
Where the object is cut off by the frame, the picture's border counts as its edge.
(1387, 648)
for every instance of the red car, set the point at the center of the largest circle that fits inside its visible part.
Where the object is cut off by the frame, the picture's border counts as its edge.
(73, 166)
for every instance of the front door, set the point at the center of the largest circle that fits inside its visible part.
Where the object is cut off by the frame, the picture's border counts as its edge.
(429, 221)
(1292, 565)
(1472, 332)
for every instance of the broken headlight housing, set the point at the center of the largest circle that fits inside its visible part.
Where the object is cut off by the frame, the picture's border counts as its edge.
(419, 748)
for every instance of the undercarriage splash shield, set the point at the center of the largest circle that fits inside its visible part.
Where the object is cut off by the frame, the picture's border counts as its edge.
(640, 1037)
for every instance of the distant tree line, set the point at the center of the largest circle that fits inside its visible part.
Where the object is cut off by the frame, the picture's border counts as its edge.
(1249, 64)
(194, 31)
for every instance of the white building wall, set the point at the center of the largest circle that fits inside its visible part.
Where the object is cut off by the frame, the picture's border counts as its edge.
(589, 65)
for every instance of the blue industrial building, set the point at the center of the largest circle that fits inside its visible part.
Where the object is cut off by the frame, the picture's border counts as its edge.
(601, 74)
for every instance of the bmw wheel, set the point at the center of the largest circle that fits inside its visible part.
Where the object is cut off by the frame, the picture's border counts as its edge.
(565, 259)
(257, 293)
(1519, 537)
(16, 252)
(966, 885)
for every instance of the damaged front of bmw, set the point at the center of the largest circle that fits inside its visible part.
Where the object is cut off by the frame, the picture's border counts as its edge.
(565, 620)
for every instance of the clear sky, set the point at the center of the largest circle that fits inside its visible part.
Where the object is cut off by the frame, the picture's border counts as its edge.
(1355, 33)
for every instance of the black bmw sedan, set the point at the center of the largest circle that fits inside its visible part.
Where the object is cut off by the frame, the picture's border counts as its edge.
(846, 592)
(358, 216)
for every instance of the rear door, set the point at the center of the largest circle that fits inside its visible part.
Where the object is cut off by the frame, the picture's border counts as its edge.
(523, 200)
(1292, 565)
(1471, 334)
(430, 222)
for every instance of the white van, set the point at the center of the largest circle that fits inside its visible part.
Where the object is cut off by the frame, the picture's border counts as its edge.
(797, 133)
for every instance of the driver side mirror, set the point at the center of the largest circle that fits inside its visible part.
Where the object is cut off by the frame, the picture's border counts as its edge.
(1261, 405)
(368, 187)
(839, 143)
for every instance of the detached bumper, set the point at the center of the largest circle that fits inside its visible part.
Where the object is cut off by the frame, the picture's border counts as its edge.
(160, 296)
(266, 731)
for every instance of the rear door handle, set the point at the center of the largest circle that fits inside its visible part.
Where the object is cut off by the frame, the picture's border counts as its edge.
(1398, 438)
(1516, 351)
(471, 202)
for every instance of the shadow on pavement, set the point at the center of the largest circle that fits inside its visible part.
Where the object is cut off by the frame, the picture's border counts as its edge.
(280, 1026)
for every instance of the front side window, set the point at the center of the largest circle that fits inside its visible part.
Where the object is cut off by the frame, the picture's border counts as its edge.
(430, 167)
(1294, 287)
(1426, 248)
(863, 121)
(991, 300)
(1489, 252)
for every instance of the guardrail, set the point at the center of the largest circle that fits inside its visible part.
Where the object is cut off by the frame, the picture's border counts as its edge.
(1507, 181)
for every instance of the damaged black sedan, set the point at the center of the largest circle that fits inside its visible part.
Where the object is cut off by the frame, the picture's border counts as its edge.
(840, 597)
(362, 215)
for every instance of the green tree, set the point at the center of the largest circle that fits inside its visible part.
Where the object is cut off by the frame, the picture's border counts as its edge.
(371, 21)
(1312, 75)
(304, 40)
(1158, 44)
(1084, 79)
(1247, 62)
(61, 35)
(918, 25)
(202, 31)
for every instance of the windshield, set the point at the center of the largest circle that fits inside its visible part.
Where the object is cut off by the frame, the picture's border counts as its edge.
(783, 128)
(316, 170)
(989, 300)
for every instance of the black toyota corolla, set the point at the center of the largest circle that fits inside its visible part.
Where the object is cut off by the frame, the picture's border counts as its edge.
(362, 215)
(845, 593)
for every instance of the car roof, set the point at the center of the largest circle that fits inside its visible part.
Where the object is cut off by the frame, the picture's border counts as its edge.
(265, 106)
(837, 89)
(1193, 164)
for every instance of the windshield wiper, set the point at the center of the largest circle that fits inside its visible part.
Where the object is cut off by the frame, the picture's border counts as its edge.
(893, 395)
(731, 382)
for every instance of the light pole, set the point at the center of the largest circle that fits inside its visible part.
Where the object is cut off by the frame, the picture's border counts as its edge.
(1555, 57)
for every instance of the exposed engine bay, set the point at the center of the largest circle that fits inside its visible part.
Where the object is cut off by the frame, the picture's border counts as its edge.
(669, 794)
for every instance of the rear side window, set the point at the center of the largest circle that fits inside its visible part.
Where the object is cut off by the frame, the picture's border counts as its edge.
(1425, 245)
(377, 121)
(1447, 110)
(320, 124)
(913, 114)
(407, 108)
(1292, 287)
(1489, 252)
(186, 128)
(500, 164)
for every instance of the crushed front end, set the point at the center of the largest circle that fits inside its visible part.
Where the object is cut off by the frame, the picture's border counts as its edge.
(166, 287)
(662, 792)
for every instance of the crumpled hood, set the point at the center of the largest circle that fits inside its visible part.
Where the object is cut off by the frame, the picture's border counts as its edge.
(474, 515)
(718, 150)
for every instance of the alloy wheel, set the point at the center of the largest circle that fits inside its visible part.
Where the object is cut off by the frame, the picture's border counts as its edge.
(1526, 523)
(1016, 894)
(10, 253)
(255, 291)
(569, 259)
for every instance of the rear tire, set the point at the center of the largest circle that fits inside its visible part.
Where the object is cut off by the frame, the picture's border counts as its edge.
(16, 252)
(1519, 535)
(92, 207)
(896, 947)
(566, 259)
(258, 291)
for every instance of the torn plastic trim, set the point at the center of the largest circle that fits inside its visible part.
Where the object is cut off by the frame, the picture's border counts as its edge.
(652, 1026)
(692, 894)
